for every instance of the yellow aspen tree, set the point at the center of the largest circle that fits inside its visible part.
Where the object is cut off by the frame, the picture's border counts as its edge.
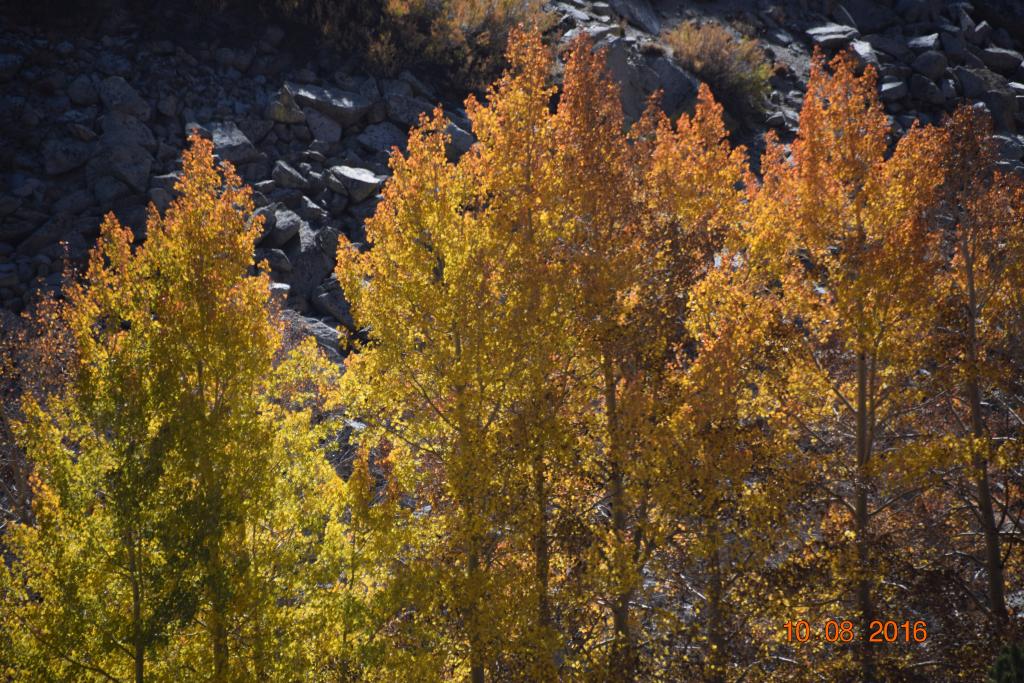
(985, 207)
(596, 185)
(179, 480)
(457, 305)
(845, 226)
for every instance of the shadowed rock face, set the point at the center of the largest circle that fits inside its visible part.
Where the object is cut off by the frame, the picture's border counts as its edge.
(94, 122)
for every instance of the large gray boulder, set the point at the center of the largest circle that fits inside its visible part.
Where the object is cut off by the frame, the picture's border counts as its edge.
(63, 155)
(931, 63)
(1001, 60)
(231, 144)
(639, 75)
(347, 108)
(832, 36)
(639, 13)
(357, 183)
(117, 95)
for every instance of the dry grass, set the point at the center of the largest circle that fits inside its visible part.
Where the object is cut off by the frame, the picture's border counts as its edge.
(734, 68)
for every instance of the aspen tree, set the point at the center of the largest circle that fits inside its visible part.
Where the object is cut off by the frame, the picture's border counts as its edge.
(179, 483)
(846, 227)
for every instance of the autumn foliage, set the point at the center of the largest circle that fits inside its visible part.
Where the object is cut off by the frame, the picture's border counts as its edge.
(621, 411)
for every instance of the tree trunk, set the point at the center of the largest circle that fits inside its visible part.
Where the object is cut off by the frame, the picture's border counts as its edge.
(476, 659)
(540, 541)
(993, 556)
(716, 638)
(861, 521)
(622, 654)
(138, 640)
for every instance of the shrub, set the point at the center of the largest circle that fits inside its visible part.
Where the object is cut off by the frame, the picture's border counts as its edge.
(465, 38)
(735, 68)
(1009, 667)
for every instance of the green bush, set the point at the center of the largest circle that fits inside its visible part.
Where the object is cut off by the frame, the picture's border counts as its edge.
(734, 68)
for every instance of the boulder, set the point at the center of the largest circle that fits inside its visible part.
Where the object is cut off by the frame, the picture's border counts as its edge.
(357, 183)
(347, 108)
(284, 112)
(276, 259)
(894, 47)
(329, 299)
(1001, 60)
(405, 110)
(131, 164)
(63, 155)
(638, 78)
(122, 129)
(893, 91)
(381, 137)
(931, 63)
(327, 338)
(460, 141)
(832, 36)
(925, 90)
(286, 176)
(869, 16)
(117, 95)
(286, 225)
(639, 13)
(924, 43)
(322, 127)
(231, 144)
(82, 92)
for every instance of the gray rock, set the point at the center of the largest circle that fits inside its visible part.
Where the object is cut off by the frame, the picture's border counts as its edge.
(678, 86)
(329, 299)
(980, 34)
(948, 87)
(168, 105)
(117, 95)
(312, 211)
(231, 144)
(406, 111)
(357, 183)
(286, 225)
(160, 197)
(283, 112)
(893, 91)
(49, 233)
(81, 132)
(972, 82)
(924, 43)
(459, 143)
(121, 129)
(286, 176)
(637, 79)
(931, 63)
(131, 164)
(347, 108)
(925, 90)
(381, 137)
(419, 88)
(276, 259)
(1009, 146)
(869, 16)
(864, 53)
(391, 86)
(82, 91)
(327, 337)
(74, 202)
(891, 46)
(639, 13)
(832, 36)
(10, 64)
(954, 46)
(62, 155)
(108, 188)
(322, 127)
(1001, 60)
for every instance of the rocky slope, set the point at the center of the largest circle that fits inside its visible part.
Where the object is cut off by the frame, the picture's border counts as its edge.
(91, 123)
